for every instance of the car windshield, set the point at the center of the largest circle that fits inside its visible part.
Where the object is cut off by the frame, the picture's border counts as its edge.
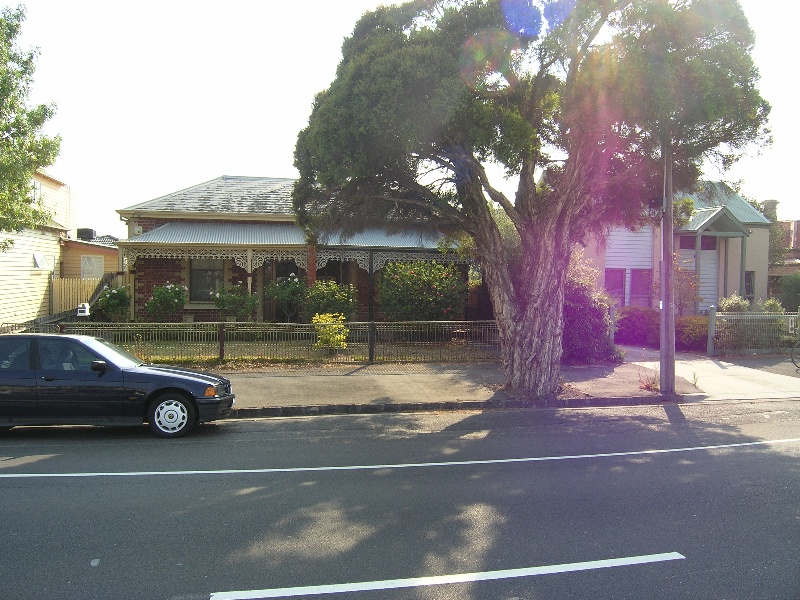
(115, 354)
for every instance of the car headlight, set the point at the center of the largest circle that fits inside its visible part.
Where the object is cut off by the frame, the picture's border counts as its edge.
(210, 392)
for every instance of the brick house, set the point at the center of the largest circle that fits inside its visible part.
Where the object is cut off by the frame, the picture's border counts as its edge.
(242, 230)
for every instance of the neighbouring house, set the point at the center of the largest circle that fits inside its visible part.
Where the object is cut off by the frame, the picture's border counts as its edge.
(89, 256)
(241, 230)
(725, 243)
(28, 267)
(35, 270)
(791, 257)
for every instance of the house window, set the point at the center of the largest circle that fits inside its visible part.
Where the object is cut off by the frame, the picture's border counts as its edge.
(615, 284)
(206, 276)
(750, 286)
(92, 267)
(707, 242)
(641, 287)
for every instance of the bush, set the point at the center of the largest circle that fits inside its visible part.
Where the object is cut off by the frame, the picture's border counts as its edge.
(424, 291)
(790, 291)
(288, 294)
(328, 297)
(236, 302)
(166, 301)
(586, 321)
(734, 304)
(638, 326)
(691, 333)
(331, 332)
(115, 304)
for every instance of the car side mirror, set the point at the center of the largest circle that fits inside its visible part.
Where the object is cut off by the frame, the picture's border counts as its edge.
(99, 365)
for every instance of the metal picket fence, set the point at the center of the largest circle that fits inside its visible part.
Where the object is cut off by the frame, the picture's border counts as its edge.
(423, 341)
(742, 332)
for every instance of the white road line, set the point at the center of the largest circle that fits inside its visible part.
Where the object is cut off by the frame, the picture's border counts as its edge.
(497, 461)
(389, 584)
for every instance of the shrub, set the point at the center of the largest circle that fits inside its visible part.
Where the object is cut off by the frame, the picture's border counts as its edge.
(586, 321)
(235, 302)
(331, 332)
(328, 297)
(790, 291)
(288, 294)
(638, 326)
(734, 304)
(691, 333)
(771, 305)
(166, 301)
(424, 291)
(115, 304)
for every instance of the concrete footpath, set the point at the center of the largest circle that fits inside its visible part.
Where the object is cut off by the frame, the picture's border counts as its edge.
(294, 390)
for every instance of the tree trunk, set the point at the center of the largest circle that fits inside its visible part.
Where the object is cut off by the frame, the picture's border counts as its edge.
(530, 319)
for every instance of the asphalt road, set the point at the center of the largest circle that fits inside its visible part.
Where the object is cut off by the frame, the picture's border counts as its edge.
(673, 501)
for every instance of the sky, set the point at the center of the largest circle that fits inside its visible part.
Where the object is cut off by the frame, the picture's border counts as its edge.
(156, 96)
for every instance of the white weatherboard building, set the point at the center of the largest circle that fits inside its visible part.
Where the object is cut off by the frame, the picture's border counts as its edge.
(726, 243)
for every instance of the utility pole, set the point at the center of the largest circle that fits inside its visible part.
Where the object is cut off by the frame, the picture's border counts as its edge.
(667, 346)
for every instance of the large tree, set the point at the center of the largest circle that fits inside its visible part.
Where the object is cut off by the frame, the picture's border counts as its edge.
(23, 147)
(574, 96)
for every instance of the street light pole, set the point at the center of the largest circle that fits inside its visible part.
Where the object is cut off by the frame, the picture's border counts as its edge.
(667, 346)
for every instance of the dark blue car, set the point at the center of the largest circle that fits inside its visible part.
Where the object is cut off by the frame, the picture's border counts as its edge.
(49, 379)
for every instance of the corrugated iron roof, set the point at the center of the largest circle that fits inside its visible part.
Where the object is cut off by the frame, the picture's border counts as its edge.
(718, 219)
(379, 238)
(711, 194)
(223, 234)
(226, 194)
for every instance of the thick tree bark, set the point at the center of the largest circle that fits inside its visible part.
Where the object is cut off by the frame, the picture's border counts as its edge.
(530, 318)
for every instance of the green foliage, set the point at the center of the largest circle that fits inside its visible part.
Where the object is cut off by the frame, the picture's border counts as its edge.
(236, 302)
(115, 304)
(734, 304)
(23, 147)
(428, 92)
(288, 294)
(638, 326)
(790, 291)
(586, 317)
(691, 333)
(329, 297)
(771, 305)
(331, 332)
(423, 291)
(166, 301)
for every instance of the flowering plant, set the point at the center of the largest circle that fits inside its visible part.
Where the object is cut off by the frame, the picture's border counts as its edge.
(114, 303)
(331, 332)
(288, 293)
(235, 302)
(166, 301)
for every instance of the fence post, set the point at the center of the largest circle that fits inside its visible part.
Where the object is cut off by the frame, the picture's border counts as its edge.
(712, 329)
(221, 330)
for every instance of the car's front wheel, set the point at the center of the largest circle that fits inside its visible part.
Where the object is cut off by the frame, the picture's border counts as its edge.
(172, 415)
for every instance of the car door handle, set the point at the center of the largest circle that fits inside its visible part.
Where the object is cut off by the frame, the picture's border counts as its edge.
(48, 378)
